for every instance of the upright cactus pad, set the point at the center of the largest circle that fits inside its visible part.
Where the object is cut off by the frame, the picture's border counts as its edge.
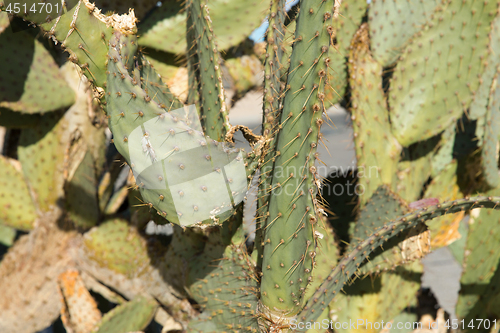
(39, 153)
(435, 79)
(444, 187)
(118, 247)
(31, 82)
(489, 126)
(480, 261)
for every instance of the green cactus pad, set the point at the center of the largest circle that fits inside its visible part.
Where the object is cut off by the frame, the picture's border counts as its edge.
(31, 82)
(118, 247)
(39, 152)
(488, 303)
(489, 127)
(479, 104)
(14, 119)
(141, 8)
(350, 15)
(435, 79)
(81, 194)
(290, 240)
(273, 70)
(408, 246)
(414, 168)
(276, 34)
(205, 179)
(131, 316)
(480, 261)
(376, 299)
(444, 229)
(347, 266)
(377, 151)
(16, 206)
(7, 235)
(214, 114)
(393, 23)
(227, 293)
(444, 155)
(233, 21)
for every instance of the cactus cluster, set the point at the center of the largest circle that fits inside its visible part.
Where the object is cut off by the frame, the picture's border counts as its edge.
(102, 142)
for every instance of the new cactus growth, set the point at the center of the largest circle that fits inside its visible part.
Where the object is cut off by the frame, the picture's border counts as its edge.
(98, 147)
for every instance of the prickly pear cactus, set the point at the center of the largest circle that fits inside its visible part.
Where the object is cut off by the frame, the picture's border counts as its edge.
(121, 178)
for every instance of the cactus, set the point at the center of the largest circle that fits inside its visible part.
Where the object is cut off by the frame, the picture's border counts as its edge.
(479, 263)
(408, 111)
(392, 24)
(34, 84)
(131, 316)
(18, 208)
(233, 22)
(105, 106)
(370, 118)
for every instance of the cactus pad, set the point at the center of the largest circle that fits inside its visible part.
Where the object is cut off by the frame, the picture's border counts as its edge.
(372, 133)
(31, 82)
(227, 292)
(205, 179)
(128, 317)
(435, 79)
(233, 21)
(347, 266)
(346, 24)
(444, 229)
(393, 23)
(16, 206)
(118, 247)
(481, 260)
